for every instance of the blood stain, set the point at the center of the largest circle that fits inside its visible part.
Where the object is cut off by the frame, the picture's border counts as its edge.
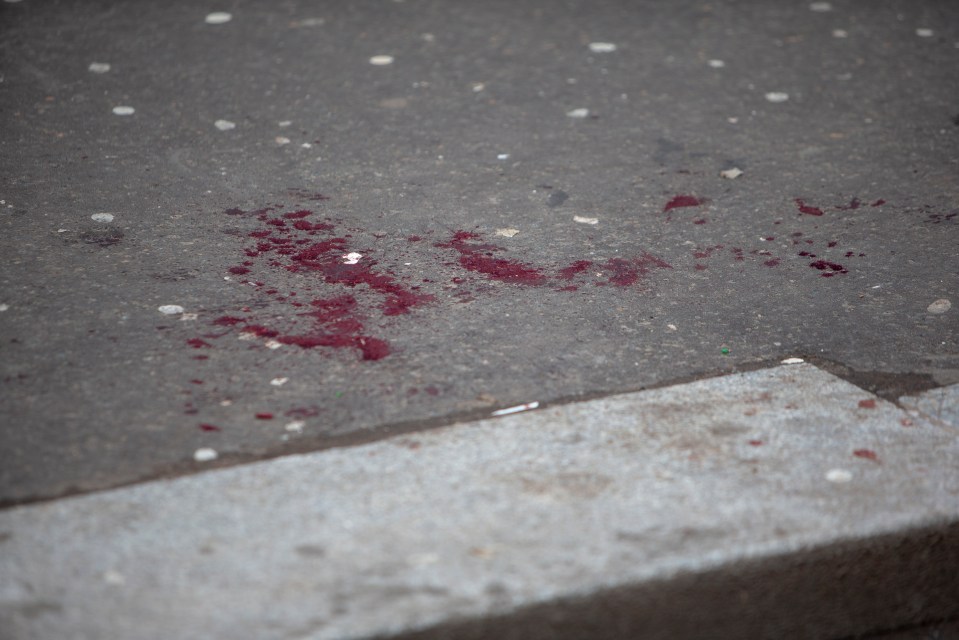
(577, 267)
(867, 454)
(807, 209)
(867, 404)
(197, 343)
(828, 269)
(209, 427)
(264, 415)
(683, 201)
(756, 443)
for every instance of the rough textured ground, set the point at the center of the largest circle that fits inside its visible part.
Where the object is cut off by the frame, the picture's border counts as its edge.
(834, 242)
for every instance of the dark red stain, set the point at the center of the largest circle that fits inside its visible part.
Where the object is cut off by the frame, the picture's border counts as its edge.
(868, 454)
(867, 404)
(195, 381)
(878, 203)
(478, 258)
(264, 415)
(700, 221)
(196, 343)
(431, 390)
(239, 271)
(628, 271)
(683, 201)
(772, 263)
(414, 239)
(808, 210)
(209, 427)
(756, 443)
(568, 273)
(201, 357)
(828, 269)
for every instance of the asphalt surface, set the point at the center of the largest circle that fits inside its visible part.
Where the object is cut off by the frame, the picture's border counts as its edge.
(835, 242)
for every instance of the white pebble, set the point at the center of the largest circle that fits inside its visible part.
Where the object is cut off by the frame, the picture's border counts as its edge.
(602, 47)
(273, 344)
(820, 7)
(777, 96)
(4, 307)
(124, 110)
(939, 306)
(279, 382)
(584, 220)
(296, 426)
(306, 145)
(281, 140)
(381, 60)
(352, 258)
(102, 217)
(671, 327)
(503, 156)
(218, 17)
(224, 125)
(731, 174)
(170, 309)
(578, 113)
(716, 64)
(188, 317)
(285, 123)
(507, 233)
(924, 33)
(99, 67)
(478, 86)
(838, 475)
(204, 454)
(840, 33)
(793, 361)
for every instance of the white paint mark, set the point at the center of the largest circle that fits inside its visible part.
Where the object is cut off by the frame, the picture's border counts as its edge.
(381, 60)
(224, 125)
(777, 96)
(503, 156)
(507, 233)
(352, 257)
(793, 361)
(285, 123)
(123, 110)
(578, 113)
(516, 409)
(281, 140)
(731, 174)
(939, 306)
(671, 327)
(204, 454)
(4, 307)
(306, 145)
(187, 317)
(585, 220)
(99, 67)
(716, 64)
(114, 578)
(478, 86)
(732, 120)
(279, 382)
(820, 7)
(838, 475)
(218, 17)
(102, 217)
(273, 344)
(602, 47)
(296, 426)
(170, 309)
(840, 33)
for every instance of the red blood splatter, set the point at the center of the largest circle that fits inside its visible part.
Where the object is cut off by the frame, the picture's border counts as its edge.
(568, 273)
(701, 267)
(195, 381)
(868, 454)
(264, 415)
(306, 225)
(756, 443)
(196, 343)
(700, 221)
(867, 404)
(296, 215)
(829, 269)
(683, 201)
(475, 258)
(239, 270)
(571, 287)
(808, 210)
(260, 331)
(627, 272)
(831, 244)
(227, 321)
(772, 263)
(209, 427)
(414, 239)
(878, 203)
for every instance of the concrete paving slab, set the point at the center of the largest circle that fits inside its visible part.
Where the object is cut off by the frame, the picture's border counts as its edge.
(777, 503)
(940, 405)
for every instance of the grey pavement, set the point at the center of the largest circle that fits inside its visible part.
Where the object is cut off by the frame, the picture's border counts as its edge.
(782, 503)
(837, 242)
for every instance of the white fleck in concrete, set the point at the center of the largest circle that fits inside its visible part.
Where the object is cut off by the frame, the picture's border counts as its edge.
(170, 309)
(578, 113)
(502, 156)
(281, 140)
(224, 125)
(924, 33)
(840, 33)
(99, 67)
(939, 306)
(507, 233)
(204, 454)
(352, 258)
(777, 96)
(218, 17)
(602, 47)
(102, 217)
(381, 60)
(731, 174)
(123, 110)
(585, 220)
(485, 518)
(716, 64)
(295, 426)
(793, 361)
(279, 382)
(4, 307)
(820, 7)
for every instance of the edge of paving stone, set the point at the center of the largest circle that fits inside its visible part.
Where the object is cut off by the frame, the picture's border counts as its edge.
(845, 589)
